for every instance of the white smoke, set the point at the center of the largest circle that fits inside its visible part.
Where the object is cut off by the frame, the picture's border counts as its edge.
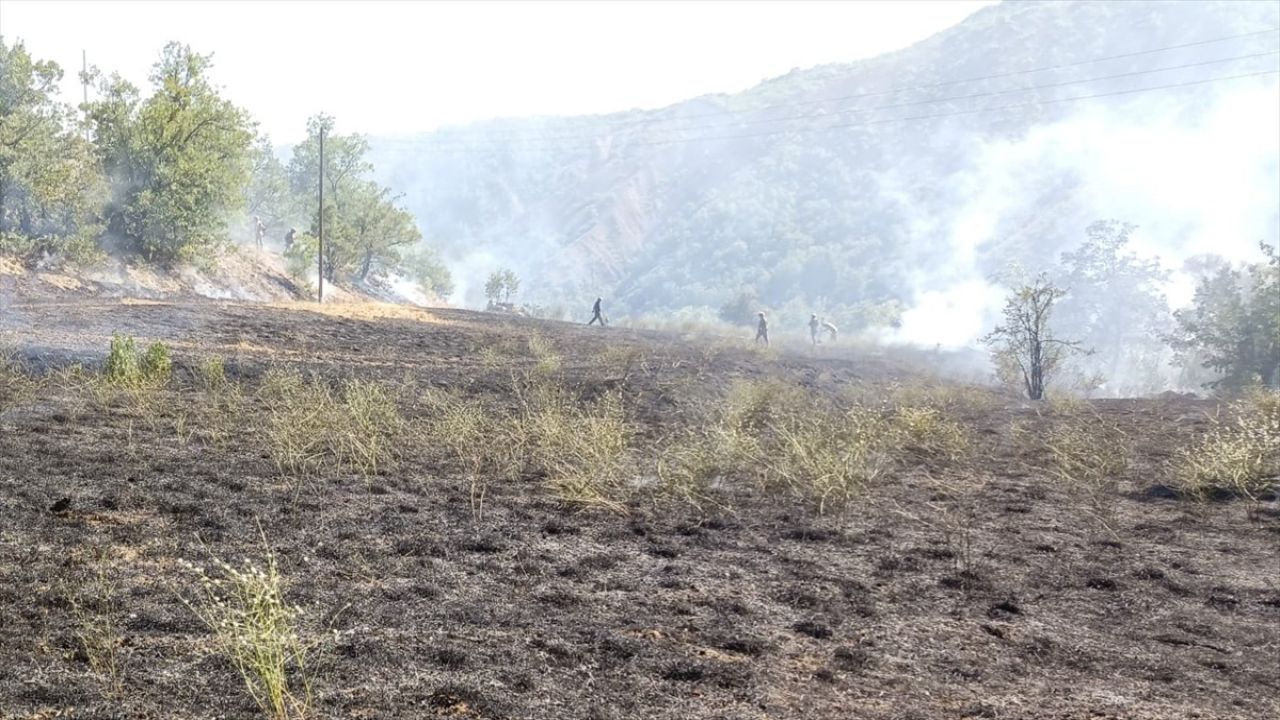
(1194, 181)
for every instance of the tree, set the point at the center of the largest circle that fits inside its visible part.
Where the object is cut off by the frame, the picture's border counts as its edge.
(1024, 347)
(510, 285)
(743, 308)
(365, 230)
(269, 194)
(379, 229)
(423, 265)
(51, 188)
(178, 161)
(344, 163)
(501, 284)
(1116, 307)
(1233, 324)
(493, 287)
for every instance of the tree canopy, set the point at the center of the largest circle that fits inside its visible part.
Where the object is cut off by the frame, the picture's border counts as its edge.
(177, 172)
(1233, 325)
(178, 160)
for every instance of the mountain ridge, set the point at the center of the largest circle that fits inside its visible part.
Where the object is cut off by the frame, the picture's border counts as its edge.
(758, 199)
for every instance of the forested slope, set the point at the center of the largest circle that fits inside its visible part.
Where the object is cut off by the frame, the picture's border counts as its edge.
(855, 190)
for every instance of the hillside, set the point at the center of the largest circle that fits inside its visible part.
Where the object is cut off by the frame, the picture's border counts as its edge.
(816, 191)
(469, 515)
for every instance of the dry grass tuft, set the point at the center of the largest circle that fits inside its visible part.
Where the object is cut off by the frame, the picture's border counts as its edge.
(1240, 457)
(257, 631)
(580, 449)
(17, 385)
(98, 616)
(310, 425)
(1089, 455)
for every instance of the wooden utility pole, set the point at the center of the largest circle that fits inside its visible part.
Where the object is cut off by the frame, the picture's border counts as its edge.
(84, 84)
(320, 255)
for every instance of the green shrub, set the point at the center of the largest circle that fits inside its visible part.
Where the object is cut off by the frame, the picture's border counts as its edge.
(122, 360)
(156, 365)
(126, 366)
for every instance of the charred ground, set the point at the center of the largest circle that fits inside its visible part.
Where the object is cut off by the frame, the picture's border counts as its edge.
(979, 588)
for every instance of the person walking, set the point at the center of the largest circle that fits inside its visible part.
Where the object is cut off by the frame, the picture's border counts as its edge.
(762, 330)
(596, 315)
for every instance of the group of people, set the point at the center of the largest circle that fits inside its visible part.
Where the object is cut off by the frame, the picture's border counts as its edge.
(815, 325)
(260, 232)
(762, 325)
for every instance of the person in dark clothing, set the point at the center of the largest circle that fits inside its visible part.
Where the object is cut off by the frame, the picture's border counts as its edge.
(762, 330)
(288, 239)
(595, 314)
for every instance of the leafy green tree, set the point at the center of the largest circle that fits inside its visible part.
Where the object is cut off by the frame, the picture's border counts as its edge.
(501, 284)
(365, 231)
(269, 194)
(510, 285)
(423, 265)
(344, 164)
(1024, 347)
(1114, 304)
(178, 161)
(1233, 324)
(493, 287)
(51, 187)
(378, 230)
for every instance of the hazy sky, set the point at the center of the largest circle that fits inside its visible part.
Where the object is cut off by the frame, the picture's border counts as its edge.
(400, 67)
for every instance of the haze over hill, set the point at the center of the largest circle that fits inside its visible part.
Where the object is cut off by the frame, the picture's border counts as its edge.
(886, 189)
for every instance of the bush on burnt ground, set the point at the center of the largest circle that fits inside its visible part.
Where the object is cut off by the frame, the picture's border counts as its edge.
(1238, 457)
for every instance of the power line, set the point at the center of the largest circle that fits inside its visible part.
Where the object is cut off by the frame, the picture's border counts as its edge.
(1135, 91)
(913, 103)
(565, 143)
(927, 86)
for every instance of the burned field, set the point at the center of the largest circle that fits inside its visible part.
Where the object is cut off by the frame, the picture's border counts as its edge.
(483, 517)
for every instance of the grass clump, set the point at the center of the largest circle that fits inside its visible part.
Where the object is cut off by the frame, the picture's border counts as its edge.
(580, 449)
(366, 428)
(619, 361)
(1089, 455)
(755, 406)
(257, 631)
(473, 437)
(212, 373)
(97, 614)
(828, 460)
(927, 431)
(777, 436)
(547, 362)
(949, 398)
(1240, 457)
(311, 425)
(693, 469)
(17, 385)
